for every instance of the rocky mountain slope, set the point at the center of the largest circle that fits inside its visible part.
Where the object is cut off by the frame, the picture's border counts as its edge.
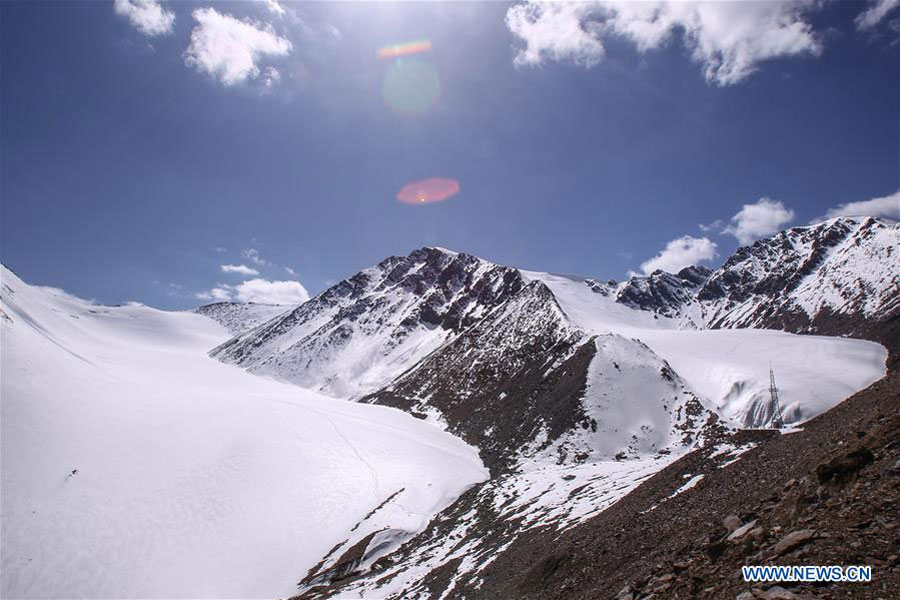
(826, 495)
(525, 381)
(662, 293)
(671, 528)
(361, 333)
(238, 317)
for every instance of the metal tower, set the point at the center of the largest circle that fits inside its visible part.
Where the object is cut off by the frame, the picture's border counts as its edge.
(777, 417)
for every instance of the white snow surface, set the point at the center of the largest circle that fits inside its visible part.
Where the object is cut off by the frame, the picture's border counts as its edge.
(194, 478)
(729, 369)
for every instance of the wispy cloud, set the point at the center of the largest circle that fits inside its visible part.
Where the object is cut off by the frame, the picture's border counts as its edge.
(252, 254)
(886, 206)
(275, 7)
(757, 220)
(270, 78)
(873, 15)
(680, 253)
(729, 40)
(228, 49)
(239, 269)
(221, 293)
(147, 16)
(716, 226)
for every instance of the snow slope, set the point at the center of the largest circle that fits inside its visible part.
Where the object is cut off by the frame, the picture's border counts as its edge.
(729, 369)
(194, 478)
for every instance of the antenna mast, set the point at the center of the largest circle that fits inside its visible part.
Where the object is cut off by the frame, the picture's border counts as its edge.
(777, 418)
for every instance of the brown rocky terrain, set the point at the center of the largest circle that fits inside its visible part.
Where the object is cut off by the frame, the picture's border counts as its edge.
(826, 495)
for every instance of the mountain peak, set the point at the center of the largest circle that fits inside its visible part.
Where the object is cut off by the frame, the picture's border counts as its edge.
(803, 278)
(350, 339)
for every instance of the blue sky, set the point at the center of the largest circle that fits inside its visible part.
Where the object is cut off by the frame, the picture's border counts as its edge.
(145, 145)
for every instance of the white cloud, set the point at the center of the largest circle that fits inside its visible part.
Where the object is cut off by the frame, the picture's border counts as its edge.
(252, 254)
(219, 249)
(680, 253)
(148, 16)
(240, 269)
(873, 16)
(228, 49)
(554, 31)
(727, 39)
(290, 271)
(886, 206)
(761, 219)
(263, 291)
(271, 292)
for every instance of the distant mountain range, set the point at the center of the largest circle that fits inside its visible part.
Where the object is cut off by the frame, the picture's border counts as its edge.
(407, 330)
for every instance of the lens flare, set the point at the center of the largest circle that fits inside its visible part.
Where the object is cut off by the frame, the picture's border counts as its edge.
(435, 189)
(404, 49)
(411, 86)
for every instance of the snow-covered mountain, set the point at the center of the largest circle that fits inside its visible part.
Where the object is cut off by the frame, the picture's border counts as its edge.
(361, 333)
(828, 278)
(572, 390)
(834, 278)
(526, 382)
(238, 317)
(660, 292)
(134, 465)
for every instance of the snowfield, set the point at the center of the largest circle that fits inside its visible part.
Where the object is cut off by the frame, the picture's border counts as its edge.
(134, 465)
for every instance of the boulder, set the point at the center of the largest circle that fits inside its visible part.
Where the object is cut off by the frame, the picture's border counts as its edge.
(793, 540)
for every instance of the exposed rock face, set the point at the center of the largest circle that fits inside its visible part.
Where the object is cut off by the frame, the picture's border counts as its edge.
(663, 293)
